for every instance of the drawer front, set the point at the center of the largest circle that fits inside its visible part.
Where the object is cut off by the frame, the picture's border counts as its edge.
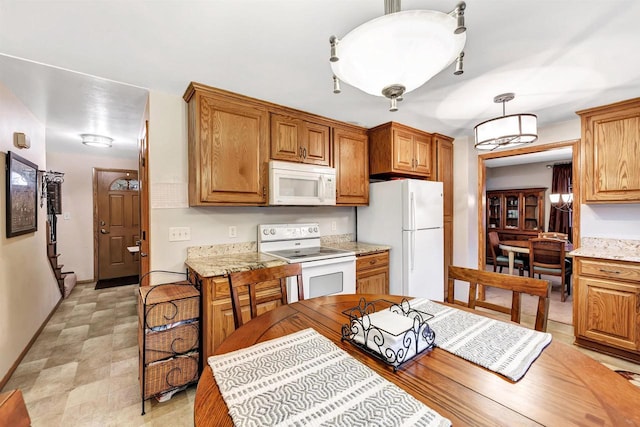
(609, 270)
(164, 344)
(372, 261)
(176, 372)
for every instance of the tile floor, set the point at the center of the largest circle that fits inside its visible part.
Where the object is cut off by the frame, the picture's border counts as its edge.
(83, 369)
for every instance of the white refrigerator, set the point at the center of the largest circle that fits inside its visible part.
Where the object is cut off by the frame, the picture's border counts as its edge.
(406, 214)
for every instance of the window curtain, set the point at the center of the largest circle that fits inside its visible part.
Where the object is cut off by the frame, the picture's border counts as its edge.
(560, 221)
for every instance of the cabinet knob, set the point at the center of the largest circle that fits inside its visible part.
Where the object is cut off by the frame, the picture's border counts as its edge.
(373, 261)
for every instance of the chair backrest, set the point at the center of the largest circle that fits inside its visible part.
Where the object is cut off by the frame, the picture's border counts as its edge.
(548, 254)
(252, 278)
(553, 235)
(516, 284)
(494, 241)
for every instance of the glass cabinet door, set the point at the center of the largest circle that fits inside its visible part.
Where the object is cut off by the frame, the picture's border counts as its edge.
(494, 213)
(531, 212)
(512, 206)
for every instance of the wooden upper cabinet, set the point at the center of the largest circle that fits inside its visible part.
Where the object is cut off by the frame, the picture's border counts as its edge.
(297, 140)
(400, 150)
(442, 170)
(351, 151)
(611, 153)
(228, 148)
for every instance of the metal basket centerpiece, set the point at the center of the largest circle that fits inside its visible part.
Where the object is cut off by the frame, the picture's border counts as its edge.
(392, 333)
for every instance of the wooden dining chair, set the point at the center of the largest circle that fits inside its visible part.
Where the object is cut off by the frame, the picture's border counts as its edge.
(500, 260)
(547, 256)
(252, 278)
(517, 286)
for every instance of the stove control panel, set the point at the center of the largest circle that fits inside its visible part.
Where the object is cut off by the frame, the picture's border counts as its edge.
(273, 232)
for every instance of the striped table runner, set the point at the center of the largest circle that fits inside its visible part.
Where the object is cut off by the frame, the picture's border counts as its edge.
(303, 379)
(502, 347)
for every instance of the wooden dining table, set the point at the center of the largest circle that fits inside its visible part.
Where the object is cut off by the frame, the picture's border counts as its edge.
(522, 246)
(562, 387)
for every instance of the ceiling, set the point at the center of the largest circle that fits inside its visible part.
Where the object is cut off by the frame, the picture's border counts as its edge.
(558, 56)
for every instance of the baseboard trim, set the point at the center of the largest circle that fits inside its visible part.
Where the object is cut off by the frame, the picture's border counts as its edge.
(13, 368)
(85, 281)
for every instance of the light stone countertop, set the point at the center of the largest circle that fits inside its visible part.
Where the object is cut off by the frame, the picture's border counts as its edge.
(223, 259)
(359, 248)
(221, 265)
(611, 249)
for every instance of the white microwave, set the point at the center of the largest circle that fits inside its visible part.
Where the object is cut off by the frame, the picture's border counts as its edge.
(299, 184)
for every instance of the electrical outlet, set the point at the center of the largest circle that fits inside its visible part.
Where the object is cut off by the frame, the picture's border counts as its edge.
(178, 234)
(333, 226)
(66, 215)
(233, 231)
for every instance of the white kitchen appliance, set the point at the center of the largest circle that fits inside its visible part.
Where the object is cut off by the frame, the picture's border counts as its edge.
(298, 184)
(325, 271)
(407, 215)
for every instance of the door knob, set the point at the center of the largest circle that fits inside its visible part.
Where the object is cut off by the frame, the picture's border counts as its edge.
(103, 231)
(143, 254)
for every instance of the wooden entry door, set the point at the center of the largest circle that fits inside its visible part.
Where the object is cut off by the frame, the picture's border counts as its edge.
(117, 223)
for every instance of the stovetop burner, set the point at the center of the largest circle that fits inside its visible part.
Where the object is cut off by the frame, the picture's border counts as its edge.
(310, 253)
(296, 243)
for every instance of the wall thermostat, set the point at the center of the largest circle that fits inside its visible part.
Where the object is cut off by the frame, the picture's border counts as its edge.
(21, 140)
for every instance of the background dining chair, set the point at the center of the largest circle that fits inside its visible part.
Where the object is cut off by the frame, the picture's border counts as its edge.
(252, 278)
(500, 260)
(517, 286)
(547, 256)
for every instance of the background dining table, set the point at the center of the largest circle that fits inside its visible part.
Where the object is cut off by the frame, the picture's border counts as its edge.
(562, 387)
(522, 246)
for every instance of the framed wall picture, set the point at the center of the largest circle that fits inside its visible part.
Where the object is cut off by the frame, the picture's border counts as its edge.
(22, 195)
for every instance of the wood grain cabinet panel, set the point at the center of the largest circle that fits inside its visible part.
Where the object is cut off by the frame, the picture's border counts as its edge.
(442, 170)
(228, 148)
(607, 300)
(217, 314)
(352, 169)
(297, 140)
(611, 153)
(372, 273)
(399, 150)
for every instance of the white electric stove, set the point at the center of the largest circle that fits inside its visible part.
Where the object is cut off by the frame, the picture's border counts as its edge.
(325, 271)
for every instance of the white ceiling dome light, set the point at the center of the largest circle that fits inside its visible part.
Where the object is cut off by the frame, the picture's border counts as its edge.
(93, 140)
(400, 51)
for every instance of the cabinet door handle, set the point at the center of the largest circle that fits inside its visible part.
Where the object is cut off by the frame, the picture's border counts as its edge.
(300, 152)
(609, 271)
(373, 261)
(304, 153)
(264, 191)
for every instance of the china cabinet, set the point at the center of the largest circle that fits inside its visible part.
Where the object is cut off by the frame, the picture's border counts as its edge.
(516, 214)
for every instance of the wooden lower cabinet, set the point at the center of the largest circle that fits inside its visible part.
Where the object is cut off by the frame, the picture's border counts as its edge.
(372, 273)
(217, 314)
(607, 306)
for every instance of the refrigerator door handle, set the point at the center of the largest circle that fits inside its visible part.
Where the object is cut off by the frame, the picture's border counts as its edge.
(413, 211)
(412, 249)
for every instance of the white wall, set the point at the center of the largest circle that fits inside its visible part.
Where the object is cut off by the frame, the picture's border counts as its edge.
(523, 176)
(209, 225)
(75, 234)
(28, 289)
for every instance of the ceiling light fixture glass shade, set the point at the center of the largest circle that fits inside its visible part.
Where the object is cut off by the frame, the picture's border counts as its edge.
(506, 131)
(96, 140)
(400, 51)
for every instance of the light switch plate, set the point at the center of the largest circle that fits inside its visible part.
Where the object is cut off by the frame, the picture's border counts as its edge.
(178, 234)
